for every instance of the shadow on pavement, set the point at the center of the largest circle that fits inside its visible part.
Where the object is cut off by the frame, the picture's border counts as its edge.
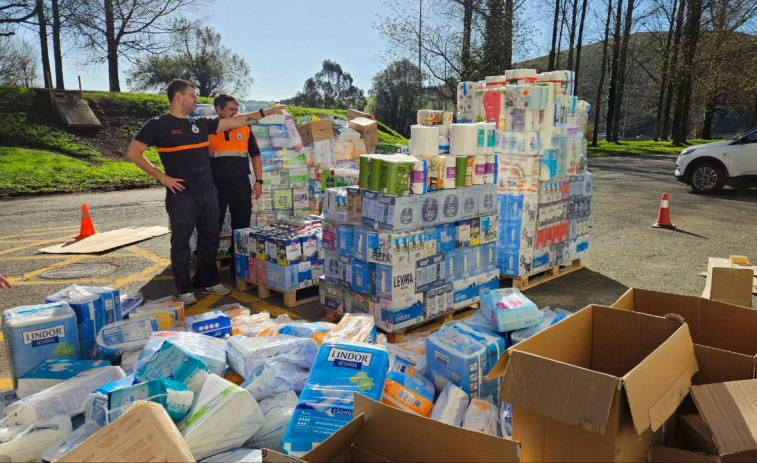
(576, 290)
(730, 194)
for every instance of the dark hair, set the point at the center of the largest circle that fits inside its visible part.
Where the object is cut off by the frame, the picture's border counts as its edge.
(222, 99)
(177, 86)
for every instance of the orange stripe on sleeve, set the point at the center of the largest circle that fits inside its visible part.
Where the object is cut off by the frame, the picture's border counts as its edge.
(182, 147)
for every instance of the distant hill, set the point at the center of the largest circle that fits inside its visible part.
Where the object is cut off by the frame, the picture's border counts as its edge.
(642, 88)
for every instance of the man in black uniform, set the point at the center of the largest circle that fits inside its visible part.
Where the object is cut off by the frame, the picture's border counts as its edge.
(191, 198)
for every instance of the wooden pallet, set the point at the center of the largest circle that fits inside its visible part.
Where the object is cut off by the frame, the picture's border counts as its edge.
(534, 279)
(292, 298)
(432, 324)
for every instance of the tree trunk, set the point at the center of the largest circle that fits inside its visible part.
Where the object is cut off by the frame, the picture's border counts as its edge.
(509, 12)
(602, 72)
(559, 39)
(56, 48)
(709, 115)
(467, 30)
(753, 122)
(683, 101)
(664, 77)
(574, 13)
(611, 100)
(674, 64)
(554, 37)
(622, 69)
(579, 45)
(112, 46)
(40, 7)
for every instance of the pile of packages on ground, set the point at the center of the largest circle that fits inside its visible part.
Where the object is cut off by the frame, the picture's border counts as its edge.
(545, 189)
(284, 256)
(83, 361)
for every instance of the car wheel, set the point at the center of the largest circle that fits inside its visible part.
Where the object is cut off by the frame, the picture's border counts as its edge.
(707, 177)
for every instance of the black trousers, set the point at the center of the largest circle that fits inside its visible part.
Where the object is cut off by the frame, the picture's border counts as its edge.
(188, 211)
(237, 196)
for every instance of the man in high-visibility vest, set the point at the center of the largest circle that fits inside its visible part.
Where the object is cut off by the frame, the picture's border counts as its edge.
(230, 154)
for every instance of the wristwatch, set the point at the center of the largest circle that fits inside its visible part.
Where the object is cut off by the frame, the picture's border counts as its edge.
(262, 113)
(259, 181)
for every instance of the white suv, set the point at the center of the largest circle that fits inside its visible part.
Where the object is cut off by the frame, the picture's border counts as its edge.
(707, 168)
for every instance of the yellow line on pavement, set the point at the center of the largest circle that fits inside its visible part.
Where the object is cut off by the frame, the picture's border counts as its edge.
(37, 257)
(57, 282)
(63, 263)
(41, 233)
(137, 276)
(37, 243)
(73, 227)
(6, 383)
(203, 305)
(148, 255)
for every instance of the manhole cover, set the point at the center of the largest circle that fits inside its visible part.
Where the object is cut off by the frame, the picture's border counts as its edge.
(75, 271)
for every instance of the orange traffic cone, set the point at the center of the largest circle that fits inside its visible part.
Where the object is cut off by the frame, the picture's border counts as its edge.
(87, 228)
(663, 219)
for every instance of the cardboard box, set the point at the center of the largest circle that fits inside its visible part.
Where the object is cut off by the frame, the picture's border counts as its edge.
(144, 433)
(718, 325)
(383, 433)
(597, 386)
(315, 131)
(368, 129)
(354, 113)
(728, 282)
(728, 410)
(659, 454)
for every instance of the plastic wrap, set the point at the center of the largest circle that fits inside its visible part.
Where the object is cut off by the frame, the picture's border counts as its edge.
(27, 443)
(408, 356)
(51, 372)
(245, 354)
(172, 362)
(451, 405)
(315, 330)
(340, 370)
(506, 419)
(413, 394)
(354, 328)
(278, 412)
(275, 377)
(509, 309)
(210, 350)
(482, 416)
(114, 339)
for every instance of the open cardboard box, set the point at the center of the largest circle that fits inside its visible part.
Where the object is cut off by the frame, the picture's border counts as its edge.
(316, 131)
(597, 386)
(727, 282)
(724, 334)
(380, 433)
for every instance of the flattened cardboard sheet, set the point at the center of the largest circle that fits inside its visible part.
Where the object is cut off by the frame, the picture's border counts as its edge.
(101, 242)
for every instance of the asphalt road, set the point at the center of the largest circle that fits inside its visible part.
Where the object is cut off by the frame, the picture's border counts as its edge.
(624, 249)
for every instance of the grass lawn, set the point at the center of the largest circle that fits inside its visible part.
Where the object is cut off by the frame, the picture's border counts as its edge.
(638, 148)
(26, 171)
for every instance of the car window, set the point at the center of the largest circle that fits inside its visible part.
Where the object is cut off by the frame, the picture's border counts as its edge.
(750, 137)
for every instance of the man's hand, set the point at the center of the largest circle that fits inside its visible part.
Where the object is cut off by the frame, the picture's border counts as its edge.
(173, 184)
(274, 110)
(257, 190)
(4, 284)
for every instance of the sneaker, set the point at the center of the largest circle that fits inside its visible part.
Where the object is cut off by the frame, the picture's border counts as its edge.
(188, 298)
(218, 290)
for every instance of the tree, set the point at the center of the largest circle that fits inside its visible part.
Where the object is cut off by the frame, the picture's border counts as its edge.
(15, 12)
(115, 29)
(18, 66)
(612, 102)
(397, 95)
(665, 66)
(580, 43)
(622, 70)
(495, 60)
(602, 74)
(555, 20)
(199, 57)
(683, 92)
(330, 88)
(42, 29)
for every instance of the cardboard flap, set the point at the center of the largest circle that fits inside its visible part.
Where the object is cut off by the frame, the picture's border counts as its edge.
(729, 411)
(272, 456)
(718, 366)
(340, 441)
(567, 393)
(659, 383)
(395, 435)
(658, 454)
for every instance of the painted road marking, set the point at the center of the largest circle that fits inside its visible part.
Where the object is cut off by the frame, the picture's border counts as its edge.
(72, 227)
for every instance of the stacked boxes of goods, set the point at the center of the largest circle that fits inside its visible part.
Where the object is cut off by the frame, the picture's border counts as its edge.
(332, 149)
(285, 173)
(283, 256)
(406, 248)
(543, 185)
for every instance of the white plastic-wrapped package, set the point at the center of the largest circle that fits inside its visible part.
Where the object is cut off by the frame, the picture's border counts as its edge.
(51, 372)
(66, 398)
(240, 455)
(450, 406)
(408, 356)
(354, 328)
(60, 448)
(222, 416)
(277, 411)
(482, 416)
(26, 443)
(212, 351)
(246, 354)
(506, 418)
(274, 377)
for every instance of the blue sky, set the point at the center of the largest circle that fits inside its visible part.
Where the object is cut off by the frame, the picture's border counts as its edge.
(283, 41)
